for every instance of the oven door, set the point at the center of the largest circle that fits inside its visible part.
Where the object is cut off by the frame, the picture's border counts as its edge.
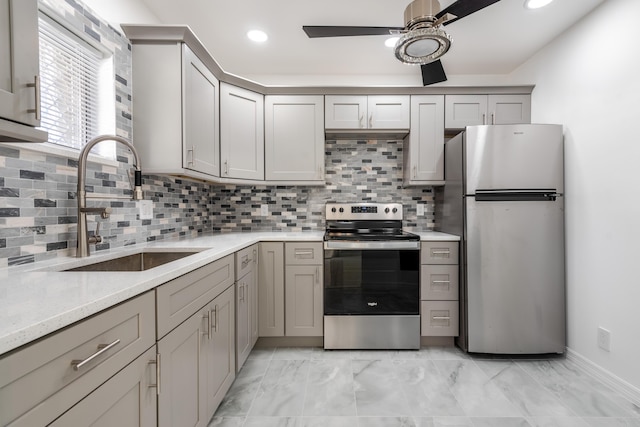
(360, 282)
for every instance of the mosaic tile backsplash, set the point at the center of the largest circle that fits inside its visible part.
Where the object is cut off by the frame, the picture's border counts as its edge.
(38, 206)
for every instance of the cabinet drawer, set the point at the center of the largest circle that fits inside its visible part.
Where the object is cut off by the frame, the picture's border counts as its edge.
(303, 253)
(127, 399)
(44, 379)
(246, 260)
(439, 253)
(439, 282)
(178, 299)
(439, 318)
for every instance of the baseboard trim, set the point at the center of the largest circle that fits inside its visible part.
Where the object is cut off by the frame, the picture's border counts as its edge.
(618, 384)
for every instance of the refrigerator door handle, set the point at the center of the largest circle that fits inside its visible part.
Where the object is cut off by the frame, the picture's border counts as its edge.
(517, 195)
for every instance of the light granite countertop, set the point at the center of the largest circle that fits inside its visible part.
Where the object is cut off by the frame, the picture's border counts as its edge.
(38, 299)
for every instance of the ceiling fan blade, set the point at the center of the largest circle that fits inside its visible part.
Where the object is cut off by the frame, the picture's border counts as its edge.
(314, 31)
(462, 8)
(433, 72)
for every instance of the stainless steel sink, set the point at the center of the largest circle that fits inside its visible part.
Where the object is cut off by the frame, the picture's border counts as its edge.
(140, 261)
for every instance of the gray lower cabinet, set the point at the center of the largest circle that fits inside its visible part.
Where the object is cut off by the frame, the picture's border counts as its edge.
(303, 289)
(196, 324)
(41, 381)
(197, 364)
(271, 289)
(221, 354)
(439, 306)
(127, 399)
(183, 362)
(246, 304)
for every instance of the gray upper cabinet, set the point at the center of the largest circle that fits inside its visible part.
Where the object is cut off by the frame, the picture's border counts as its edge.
(294, 138)
(241, 133)
(424, 146)
(469, 110)
(175, 117)
(367, 112)
(19, 72)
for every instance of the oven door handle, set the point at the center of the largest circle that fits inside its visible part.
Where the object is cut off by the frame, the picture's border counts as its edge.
(363, 246)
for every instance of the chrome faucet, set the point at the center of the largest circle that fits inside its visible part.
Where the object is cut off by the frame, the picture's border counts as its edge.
(83, 236)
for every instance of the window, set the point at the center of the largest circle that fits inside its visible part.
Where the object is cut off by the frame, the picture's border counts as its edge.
(77, 88)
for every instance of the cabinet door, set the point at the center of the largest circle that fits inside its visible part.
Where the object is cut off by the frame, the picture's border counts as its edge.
(509, 109)
(221, 353)
(303, 300)
(201, 142)
(252, 283)
(243, 332)
(294, 138)
(183, 362)
(388, 112)
(465, 110)
(345, 112)
(19, 66)
(241, 133)
(271, 289)
(127, 399)
(424, 146)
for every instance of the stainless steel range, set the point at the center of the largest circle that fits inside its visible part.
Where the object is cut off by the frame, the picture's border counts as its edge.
(372, 278)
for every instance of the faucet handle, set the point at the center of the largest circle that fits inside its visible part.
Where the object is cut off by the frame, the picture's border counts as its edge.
(105, 214)
(96, 238)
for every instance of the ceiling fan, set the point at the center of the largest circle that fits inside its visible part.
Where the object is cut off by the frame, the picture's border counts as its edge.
(422, 41)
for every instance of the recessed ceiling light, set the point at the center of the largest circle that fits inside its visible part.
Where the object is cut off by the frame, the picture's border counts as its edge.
(536, 4)
(391, 41)
(257, 36)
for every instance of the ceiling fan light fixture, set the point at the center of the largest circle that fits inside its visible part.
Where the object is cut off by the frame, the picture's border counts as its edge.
(422, 45)
(391, 41)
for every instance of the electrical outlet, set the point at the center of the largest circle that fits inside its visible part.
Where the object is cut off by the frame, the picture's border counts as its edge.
(420, 209)
(604, 339)
(264, 210)
(145, 209)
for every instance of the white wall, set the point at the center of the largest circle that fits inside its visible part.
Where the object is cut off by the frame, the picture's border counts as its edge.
(589, 80)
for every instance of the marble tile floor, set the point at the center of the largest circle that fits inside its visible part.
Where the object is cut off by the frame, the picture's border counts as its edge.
(433, 387)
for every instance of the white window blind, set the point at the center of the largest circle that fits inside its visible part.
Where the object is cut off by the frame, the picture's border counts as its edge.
(69, 73)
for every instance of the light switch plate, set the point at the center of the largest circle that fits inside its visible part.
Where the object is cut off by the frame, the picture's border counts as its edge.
(264, 210)
(420, 209)
(145, 209)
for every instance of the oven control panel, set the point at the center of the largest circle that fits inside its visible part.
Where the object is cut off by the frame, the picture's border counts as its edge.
(358, 211)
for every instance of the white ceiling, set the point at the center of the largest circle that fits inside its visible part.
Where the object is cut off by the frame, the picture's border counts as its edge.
(493, 41)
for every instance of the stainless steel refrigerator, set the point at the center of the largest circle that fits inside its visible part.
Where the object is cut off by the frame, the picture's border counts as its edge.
(504, 196)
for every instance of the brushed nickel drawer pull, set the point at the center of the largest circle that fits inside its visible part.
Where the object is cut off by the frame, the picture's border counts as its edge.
(441, 318)
(440, 281)
(207, 318)
(301, 252)
(255, 256)
(36, 85)
(214, 318)
(157, 363)
(102, 348)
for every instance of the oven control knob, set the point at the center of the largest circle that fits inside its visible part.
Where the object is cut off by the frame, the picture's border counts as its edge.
(341, 210)
(395, 210)
(333, 210)
(386, 210)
